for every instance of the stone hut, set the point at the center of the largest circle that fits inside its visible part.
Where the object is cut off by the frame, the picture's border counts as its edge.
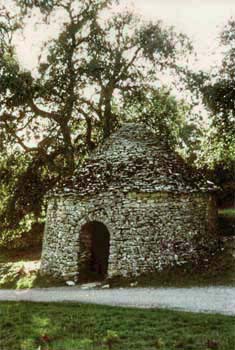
(134, 207)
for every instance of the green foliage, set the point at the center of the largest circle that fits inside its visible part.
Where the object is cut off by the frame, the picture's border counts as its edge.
(111, 339)
(22, 187)
(85, 344)
(90, 73)
(159, 343)
(217, 91)
(228, 212)
(160, 44)
(159, 110)
(218, 149)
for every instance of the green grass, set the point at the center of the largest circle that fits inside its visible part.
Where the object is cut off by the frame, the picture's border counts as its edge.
(16, 255)
(227, 221)
(229, 212)
(20, 269)
(28, 326)
(15, 276)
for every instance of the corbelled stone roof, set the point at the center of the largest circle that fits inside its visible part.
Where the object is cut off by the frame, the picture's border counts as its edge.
(133, 159)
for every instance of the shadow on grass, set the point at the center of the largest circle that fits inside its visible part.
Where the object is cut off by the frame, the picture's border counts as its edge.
(227, 222)
(21, 275)
(16, 255)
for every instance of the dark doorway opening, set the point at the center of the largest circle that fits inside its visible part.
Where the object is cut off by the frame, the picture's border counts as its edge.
(94, 243)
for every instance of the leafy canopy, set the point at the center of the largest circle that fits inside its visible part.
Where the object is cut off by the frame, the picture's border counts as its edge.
(217, 90)
(98, 72)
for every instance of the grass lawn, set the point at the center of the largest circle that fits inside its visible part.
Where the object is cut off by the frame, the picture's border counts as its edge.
(229, 212)
(29, 326)
(227, 221)
(20, 269)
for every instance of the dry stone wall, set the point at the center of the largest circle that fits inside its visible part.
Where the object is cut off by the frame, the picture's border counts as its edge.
(148, 231)
(158, 211)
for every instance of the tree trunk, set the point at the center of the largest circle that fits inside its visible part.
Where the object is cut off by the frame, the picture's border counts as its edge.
(89, 143)
(68, 150)
(107, 115)
(107, 121)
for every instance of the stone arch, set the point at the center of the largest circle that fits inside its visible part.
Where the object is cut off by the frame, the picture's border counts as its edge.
(94, 249)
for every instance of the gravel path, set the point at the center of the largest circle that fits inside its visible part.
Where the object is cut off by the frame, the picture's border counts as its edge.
(211, 299)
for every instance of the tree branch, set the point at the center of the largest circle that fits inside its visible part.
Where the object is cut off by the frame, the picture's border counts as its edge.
(125, 69)
(42, 113)
(18, 139)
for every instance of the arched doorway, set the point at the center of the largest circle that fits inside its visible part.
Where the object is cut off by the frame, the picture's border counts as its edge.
(94, 249)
